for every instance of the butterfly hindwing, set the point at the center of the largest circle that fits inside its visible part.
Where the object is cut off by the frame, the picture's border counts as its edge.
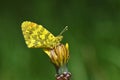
(36, 36)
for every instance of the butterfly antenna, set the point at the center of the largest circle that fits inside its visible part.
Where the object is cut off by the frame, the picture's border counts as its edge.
(65, 29)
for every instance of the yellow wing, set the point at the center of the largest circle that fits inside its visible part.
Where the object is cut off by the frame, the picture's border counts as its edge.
(36, 36)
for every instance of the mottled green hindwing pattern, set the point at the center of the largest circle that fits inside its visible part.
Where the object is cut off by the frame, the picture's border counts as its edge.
(36, 36)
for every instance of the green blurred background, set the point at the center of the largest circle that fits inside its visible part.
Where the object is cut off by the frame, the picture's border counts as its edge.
(93, 37)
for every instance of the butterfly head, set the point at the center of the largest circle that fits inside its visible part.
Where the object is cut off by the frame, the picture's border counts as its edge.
(55, 42)
(59, 38)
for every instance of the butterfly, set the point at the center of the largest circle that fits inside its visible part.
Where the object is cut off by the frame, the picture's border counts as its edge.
(36, 36)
